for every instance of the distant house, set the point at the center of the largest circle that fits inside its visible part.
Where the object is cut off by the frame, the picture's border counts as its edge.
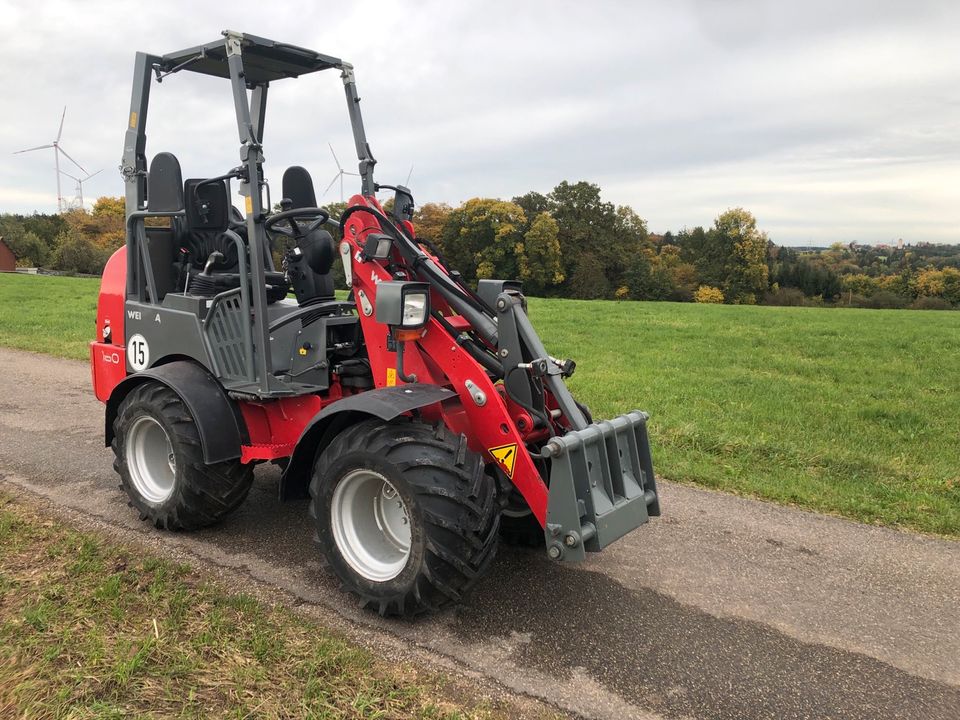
(8, 263)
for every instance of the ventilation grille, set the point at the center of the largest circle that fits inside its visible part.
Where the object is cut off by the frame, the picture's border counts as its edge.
(224, 328)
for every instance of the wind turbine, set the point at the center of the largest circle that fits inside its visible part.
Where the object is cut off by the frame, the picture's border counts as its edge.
(339, 176)
(80, 182)
(57, 151)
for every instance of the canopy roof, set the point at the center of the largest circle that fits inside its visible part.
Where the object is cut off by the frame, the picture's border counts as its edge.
(263, 60)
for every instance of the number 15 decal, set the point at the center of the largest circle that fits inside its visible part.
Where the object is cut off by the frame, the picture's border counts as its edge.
(138, 353)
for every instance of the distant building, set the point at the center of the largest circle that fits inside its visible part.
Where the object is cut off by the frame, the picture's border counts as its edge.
(8, 263)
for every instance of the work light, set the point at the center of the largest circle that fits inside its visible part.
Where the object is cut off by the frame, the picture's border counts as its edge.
(377, 247)
(402, 304)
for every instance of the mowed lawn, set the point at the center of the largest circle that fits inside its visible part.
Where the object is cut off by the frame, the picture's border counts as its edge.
(848, 411)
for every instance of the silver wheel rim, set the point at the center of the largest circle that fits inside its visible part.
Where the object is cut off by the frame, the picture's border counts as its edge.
(150, 460)
(370, 525)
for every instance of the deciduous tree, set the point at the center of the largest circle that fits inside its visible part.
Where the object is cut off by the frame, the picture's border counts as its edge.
(429, 220)
(480, 238)
(538, 257)
(745, 251)
(708, 294)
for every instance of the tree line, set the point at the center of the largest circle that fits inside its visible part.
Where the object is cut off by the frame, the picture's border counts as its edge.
(76, 241)
(572, 243)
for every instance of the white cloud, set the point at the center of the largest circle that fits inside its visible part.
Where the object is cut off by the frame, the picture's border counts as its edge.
(828, 120)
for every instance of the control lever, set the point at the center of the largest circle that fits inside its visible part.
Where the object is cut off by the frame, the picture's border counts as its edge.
(215, 256)
(203, 284)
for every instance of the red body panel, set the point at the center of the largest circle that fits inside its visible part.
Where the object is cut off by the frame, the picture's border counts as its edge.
(108, 365)
(274, 426)
(108, 368)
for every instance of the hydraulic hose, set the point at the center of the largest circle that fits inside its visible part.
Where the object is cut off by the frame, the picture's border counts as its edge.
(482, 357)
(413, 255)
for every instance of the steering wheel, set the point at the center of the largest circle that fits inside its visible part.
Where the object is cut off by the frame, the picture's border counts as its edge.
(294, 231)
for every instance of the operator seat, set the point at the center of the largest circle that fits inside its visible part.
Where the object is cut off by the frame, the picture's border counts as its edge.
(310, 263)
(164, 194)
(203, 232)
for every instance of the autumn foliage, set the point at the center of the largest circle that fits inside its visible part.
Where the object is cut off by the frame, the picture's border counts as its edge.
(570, 242)
(709, 295)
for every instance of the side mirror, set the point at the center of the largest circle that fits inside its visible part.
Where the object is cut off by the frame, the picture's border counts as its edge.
(403, 204)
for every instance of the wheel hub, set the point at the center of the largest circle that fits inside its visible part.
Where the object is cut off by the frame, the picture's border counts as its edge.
(151, 461)
(370, 525)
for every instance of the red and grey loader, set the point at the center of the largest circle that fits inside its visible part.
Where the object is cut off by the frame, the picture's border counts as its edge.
(422, 417)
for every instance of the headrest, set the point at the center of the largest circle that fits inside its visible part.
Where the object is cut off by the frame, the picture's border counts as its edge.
(164, 184)
(298, 187)
(207, 204)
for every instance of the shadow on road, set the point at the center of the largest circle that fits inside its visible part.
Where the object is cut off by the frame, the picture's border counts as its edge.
(677, 660)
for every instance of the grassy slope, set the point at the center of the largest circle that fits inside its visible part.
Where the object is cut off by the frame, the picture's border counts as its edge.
(92, 630)
(54, 315)
(846, 411)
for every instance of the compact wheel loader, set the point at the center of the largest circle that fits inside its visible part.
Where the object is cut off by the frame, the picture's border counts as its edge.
(421, 417)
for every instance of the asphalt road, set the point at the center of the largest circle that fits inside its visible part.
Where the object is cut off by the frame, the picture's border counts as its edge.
(723, 608)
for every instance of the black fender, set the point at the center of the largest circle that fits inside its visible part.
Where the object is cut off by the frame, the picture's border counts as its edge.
(385, 403)
(219, 422)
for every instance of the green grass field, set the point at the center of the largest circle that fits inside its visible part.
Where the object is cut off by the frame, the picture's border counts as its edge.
(853, 412)
(54, 315)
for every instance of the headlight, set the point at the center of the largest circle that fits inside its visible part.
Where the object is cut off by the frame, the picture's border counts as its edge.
(415, 309)
(403, 304)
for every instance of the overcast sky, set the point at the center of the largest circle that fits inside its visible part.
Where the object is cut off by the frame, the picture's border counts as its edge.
(830, 121)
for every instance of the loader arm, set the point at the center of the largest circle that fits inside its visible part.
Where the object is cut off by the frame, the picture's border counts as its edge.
(586, 484)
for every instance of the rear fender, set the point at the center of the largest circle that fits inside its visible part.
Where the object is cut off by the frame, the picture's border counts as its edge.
(385, 403)
(108, 365)
(219, 422)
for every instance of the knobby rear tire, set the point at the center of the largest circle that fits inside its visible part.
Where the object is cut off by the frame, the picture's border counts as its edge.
(202, 494)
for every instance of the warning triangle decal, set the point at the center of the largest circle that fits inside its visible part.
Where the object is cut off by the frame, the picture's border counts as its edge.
(506, 455)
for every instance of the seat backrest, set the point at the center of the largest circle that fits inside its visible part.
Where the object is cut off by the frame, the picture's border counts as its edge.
(298, 187)
(164, 184)
(164, 194)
